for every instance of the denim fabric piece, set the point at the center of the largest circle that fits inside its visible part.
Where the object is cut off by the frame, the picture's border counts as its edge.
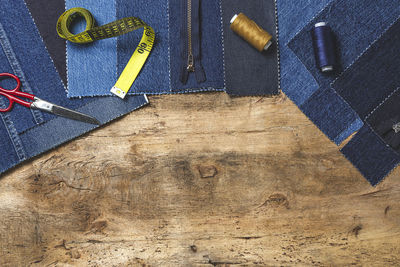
(40, 73)
(43, 17)
(383, 118)
(154, 77)
(371, 155)
(211, 47)
(325, 109)
(374, 76)
(247, 71)
(92, 68)
(297, 82)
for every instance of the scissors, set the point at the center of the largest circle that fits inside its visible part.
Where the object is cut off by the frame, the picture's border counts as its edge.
(15, 95)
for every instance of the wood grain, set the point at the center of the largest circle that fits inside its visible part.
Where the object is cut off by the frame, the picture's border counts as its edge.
(199, 180)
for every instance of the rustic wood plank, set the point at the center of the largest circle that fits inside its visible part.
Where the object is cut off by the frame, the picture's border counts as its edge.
(199, 180)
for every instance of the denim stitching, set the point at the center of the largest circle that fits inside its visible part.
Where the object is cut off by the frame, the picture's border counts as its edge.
(308, 22)
(277, 45)
(169, 52)
(12, 59)
(223, 42)
(12, 133)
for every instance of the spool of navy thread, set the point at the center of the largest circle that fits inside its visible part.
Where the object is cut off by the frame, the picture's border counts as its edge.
(324, 47)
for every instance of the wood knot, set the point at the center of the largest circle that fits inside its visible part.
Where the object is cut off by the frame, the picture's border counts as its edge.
(193, 248)
(277, 200)
(356, 230)
(208, 171)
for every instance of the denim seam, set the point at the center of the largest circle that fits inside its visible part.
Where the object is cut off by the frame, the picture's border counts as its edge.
(116, 43)
(277, 45)
(44, 45)
(13, 134)
(308, 22)
(66, 58)
(169, 52)
(14, 63)
(364, 51)
(223, 42)
(383, 102)
(183, 91)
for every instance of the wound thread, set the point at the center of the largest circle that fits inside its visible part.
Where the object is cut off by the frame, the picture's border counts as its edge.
(251, 32)
(324, 47)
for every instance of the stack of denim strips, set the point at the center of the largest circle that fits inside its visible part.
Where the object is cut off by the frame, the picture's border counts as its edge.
(25, 133)
(341, 103)
(229, 63)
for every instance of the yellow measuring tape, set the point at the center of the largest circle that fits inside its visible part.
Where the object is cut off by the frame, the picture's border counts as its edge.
(113, 29)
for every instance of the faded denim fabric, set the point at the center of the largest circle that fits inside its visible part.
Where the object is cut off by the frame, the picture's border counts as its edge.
(23, 53)
(92, 68)
(247, 71)
(332, 116)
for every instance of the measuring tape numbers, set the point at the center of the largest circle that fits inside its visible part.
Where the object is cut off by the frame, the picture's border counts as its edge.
(113, 29)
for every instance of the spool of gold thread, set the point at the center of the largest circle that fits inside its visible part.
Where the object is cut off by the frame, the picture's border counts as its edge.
(251, 32)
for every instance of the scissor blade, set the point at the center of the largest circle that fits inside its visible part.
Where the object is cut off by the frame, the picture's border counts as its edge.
(74, 115)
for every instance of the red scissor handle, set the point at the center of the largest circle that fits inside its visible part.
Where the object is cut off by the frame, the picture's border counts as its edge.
(13, 94)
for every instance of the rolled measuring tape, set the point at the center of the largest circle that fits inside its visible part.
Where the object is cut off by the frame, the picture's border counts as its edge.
(113, 29)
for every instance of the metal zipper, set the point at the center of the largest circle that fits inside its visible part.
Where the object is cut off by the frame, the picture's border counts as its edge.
(190, 61)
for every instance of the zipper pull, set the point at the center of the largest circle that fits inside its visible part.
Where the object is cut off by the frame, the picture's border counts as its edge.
(190, 63)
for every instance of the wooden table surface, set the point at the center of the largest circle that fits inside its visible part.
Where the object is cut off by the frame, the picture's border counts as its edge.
(199, 180)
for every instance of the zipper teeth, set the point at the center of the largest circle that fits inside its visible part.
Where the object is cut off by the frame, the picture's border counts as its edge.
(189, 17)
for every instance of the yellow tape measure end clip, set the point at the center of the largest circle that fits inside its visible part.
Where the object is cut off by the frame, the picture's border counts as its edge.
(118, 92)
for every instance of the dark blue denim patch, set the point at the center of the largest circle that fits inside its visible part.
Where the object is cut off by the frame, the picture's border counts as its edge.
(326, 109)
(373, 158)
(211, 51)
(21, 136)
(247, 71)
(374, 76)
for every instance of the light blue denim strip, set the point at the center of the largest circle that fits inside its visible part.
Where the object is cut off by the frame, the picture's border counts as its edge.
(12, 59)
(92, 67)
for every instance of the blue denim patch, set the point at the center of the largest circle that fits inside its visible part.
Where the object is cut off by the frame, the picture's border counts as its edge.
(154, 77)
(210, 42)
(247, 71)
(21, 136)
(92, 68)
(373, 158)
(296, 82)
